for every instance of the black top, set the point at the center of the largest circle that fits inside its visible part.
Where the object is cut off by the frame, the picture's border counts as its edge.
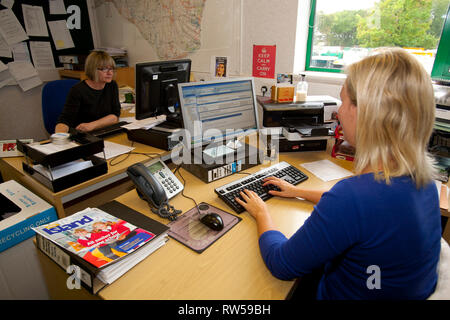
(84, 104)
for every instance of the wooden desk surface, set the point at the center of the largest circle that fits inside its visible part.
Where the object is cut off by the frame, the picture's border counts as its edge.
(13, 170)
(232, 267)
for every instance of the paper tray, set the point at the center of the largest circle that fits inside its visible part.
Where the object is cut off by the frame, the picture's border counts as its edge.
(89, 145)
(99, 167)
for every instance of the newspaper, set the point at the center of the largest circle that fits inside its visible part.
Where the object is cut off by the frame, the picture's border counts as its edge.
(95, 236)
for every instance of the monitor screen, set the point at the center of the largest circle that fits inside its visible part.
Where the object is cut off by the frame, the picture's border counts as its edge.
(218, 110)
(156, 87)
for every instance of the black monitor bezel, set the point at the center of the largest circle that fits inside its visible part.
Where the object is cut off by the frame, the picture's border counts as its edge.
(139, 69)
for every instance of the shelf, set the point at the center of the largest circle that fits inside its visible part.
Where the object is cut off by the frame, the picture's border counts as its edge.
(124, 76)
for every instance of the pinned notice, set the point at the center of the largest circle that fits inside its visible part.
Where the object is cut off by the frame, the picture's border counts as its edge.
(25, 74)
(264, 61)
(10, 27)
(60, 34)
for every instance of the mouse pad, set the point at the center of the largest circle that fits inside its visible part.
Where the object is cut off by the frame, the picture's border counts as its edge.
(188, 229)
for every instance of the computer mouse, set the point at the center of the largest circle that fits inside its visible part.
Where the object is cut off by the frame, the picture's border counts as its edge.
(212, 221)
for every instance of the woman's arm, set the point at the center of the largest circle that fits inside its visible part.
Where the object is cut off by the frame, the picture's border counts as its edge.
(258, 209)
(331, 228)
(100, 123)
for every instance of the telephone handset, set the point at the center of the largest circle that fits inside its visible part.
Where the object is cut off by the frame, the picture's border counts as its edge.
(147, 185)
(153, 185)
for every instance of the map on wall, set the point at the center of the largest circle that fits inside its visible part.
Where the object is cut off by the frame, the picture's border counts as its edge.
(172, 27)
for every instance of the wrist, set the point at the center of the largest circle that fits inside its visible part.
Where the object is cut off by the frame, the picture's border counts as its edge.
(264, 221)
(299, 192)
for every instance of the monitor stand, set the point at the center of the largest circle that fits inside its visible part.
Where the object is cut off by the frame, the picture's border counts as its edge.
(163, 136)
(173, 122)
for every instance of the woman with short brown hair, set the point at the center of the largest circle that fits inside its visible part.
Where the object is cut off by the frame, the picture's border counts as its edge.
(93, 103)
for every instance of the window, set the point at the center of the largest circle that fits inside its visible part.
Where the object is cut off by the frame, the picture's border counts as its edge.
(345, 31)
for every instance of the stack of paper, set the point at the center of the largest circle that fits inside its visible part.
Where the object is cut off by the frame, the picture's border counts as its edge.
(146, 123)
(326, 170)
(113, 150)
(113, 52)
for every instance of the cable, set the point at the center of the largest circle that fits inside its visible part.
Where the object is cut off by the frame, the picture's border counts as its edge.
(184, 185)
(165, 210)
(151, 155)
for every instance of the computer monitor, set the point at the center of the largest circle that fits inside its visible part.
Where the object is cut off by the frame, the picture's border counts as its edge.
(218, 110)
(156, 88)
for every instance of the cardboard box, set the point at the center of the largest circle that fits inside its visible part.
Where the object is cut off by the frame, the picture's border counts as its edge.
(20, 210)
(282, 94)
(8, 148)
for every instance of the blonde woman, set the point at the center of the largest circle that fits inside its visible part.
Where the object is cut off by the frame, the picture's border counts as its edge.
(375, 235)
(94, 102)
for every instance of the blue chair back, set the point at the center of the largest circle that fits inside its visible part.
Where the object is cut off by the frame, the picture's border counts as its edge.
(54, 95)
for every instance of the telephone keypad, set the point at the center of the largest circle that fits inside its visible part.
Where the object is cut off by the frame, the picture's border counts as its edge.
(168, 183)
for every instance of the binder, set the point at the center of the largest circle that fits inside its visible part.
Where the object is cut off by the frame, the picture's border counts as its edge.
(88, 276)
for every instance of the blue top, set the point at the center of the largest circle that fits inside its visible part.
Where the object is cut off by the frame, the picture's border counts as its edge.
(367, 235)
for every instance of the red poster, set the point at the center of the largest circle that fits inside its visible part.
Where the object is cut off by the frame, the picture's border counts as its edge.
(264, 61)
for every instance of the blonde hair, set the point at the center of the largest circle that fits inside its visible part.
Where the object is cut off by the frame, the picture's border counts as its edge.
(97, 59)
(395, 101)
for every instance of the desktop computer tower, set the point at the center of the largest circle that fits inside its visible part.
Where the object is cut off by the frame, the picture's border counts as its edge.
(223, 167)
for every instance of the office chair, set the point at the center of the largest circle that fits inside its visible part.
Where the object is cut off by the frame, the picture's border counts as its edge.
(54, 95)
(442, 291)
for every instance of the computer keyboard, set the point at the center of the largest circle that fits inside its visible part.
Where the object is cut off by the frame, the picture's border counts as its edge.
(282, 170)
(109, 130)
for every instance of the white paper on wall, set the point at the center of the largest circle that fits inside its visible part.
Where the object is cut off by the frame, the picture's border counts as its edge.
(57, 7)
(5, 51)
(25, 74)
(41, 52)
(7, 3)
(60, 34)
(10, 27)
(34, 19)
(20, 52)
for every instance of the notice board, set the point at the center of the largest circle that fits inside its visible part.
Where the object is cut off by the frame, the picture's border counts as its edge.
(81, 37)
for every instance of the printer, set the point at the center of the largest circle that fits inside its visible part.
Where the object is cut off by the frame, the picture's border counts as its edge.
(298, 126)
(439, 144)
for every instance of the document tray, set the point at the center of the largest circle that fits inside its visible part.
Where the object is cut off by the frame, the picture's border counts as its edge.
(88, 146)
(99, 167)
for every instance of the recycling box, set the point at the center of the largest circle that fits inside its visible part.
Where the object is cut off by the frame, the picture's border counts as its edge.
(20, 210)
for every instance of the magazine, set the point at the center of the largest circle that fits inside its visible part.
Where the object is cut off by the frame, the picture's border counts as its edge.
(96, 236)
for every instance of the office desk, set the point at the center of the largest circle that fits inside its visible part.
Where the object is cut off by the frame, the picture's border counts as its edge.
(111, 184)
(231, 268)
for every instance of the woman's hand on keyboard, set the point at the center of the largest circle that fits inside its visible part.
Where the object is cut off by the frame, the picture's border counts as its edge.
(252, 203)
(287, 190)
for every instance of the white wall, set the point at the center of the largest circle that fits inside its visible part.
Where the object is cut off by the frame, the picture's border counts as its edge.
(230, 28)
(268, 22)
(21, 114)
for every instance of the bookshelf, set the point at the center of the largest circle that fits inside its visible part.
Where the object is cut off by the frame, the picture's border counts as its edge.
(124, 76)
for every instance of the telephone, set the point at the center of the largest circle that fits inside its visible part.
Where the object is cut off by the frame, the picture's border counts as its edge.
(156, 184)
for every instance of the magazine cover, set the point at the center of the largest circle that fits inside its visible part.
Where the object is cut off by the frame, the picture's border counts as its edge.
(96, 236)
